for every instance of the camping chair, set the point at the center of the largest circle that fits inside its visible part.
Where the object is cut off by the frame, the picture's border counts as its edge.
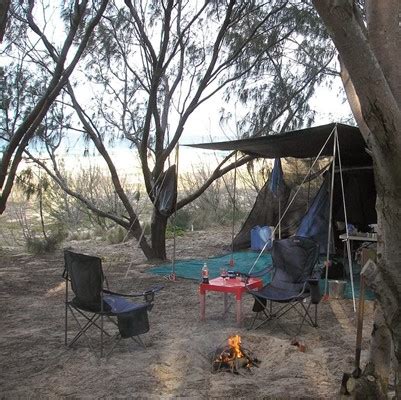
(92, 302)
(293, 280)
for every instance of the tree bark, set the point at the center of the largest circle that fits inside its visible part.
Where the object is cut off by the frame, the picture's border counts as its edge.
(4, 6)
(158, 234)
(367, 54)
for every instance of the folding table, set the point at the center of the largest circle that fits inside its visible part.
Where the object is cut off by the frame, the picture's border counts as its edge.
(227, 285)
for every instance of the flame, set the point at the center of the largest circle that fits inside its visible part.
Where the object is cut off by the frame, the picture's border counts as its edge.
(234, 343)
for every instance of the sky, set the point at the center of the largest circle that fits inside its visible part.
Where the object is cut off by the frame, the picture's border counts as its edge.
(203, 126)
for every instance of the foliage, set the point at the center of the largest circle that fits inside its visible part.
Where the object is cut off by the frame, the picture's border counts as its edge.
(49, 244)
(148, 68)
(37, 71)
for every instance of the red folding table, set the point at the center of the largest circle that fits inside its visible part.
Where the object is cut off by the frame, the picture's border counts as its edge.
(227, 285)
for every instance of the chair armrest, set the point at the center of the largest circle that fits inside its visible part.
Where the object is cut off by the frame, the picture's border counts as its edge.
(256, 274)
(146, 294)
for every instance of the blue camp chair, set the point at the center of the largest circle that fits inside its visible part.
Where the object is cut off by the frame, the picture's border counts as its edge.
(294, 279)
(92, 303)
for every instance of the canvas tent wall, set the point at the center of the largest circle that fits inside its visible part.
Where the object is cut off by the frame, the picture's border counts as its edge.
(356, 164)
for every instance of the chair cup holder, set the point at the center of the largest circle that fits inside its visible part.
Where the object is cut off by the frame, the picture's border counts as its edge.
(133, 323)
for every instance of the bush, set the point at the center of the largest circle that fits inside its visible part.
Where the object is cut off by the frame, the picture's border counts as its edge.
(50, 244)
(182, 219)
(116, 235)
(170, 232)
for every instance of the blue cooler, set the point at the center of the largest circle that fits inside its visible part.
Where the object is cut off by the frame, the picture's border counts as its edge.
(259, 236)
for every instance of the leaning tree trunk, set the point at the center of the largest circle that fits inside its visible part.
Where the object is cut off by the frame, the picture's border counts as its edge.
(369, 51)
(389, 258)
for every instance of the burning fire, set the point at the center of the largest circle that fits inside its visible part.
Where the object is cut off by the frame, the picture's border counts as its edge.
(233, 356)
(234, 343)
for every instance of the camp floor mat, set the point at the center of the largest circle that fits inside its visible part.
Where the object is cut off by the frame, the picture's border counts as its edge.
(191, 269)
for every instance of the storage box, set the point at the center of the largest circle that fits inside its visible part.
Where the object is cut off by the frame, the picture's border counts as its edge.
(337, 289)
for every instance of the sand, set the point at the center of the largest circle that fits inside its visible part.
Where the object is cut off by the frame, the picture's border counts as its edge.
(176, 363)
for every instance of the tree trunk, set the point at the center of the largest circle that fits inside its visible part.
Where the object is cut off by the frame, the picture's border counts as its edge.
(137, 231)
(4, 6)
(367, 51)
(389, 257)
(158, 234)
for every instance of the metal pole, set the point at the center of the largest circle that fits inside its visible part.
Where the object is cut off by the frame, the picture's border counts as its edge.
(173, 276)
(234, 209)
(279, 216)
(330, 210)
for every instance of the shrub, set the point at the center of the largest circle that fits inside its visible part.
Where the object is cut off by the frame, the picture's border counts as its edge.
(116, 235)
(36, 245)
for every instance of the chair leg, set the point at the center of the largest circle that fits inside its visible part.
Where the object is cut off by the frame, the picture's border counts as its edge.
(253, 321)
(305, 314)
(66, 311)
(66, 324)
(101, 336)
(83, 328)
(316, 316)
(116, 342)
(138, 339)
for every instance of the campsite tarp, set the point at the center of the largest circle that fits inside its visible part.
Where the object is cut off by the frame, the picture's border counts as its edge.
(360, 192)
(302, 143)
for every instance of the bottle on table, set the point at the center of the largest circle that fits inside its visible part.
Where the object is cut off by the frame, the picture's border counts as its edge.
(205, 273)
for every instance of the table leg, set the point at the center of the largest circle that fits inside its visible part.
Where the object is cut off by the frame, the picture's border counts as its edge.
(239, 311)
(225, 304)
(202, 306)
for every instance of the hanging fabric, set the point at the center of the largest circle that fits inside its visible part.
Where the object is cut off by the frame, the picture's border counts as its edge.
(166, 192)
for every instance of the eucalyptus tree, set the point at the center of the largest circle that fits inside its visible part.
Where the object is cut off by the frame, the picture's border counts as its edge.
(36, 70)
(367, 37)
(152, 64)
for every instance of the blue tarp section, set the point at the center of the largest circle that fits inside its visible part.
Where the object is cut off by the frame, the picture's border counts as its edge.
(315, 223)
(276, 180)
(191, 269)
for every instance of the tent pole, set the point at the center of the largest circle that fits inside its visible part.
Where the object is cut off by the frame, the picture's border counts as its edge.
(293, 198)
(330, 212)
(173, 276)
(234, 209)
(279, 216)
(349, 256)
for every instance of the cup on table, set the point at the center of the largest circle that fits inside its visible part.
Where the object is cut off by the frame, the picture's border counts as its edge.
(223, 272)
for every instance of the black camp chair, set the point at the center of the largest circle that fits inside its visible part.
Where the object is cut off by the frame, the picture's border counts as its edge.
(293, 280)
(92, 302)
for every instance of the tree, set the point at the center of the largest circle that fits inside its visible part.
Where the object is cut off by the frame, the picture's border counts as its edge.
(4, 6)
(367, 37)
(29, 102)
(153, 64)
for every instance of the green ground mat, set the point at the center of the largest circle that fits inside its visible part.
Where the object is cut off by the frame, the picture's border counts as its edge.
(191, 269)
(243, 261)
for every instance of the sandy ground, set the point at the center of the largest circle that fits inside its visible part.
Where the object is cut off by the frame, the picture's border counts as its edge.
(36, 364)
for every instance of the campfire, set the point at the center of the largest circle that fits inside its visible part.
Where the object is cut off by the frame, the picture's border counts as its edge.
(233, 357)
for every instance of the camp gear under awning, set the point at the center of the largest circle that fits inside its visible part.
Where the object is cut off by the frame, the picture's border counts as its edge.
(302, 143)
